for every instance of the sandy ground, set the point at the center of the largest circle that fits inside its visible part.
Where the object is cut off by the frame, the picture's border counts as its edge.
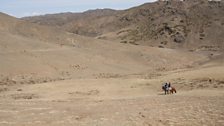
(83, 86)
(123, 101)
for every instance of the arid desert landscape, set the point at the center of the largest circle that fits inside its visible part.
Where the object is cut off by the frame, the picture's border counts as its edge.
(107, 67)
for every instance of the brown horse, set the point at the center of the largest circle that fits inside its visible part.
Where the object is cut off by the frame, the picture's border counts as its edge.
(172, 90)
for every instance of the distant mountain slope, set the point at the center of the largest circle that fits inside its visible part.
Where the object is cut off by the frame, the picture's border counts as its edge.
(46, 53)
(195, 24)
(78, 23)
(11, 26)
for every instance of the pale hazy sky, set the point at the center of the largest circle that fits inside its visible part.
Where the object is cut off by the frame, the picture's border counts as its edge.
(21, 8)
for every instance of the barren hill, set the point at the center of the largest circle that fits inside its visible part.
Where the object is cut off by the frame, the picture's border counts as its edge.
(79, 69)
(38, 50)
(190, 24)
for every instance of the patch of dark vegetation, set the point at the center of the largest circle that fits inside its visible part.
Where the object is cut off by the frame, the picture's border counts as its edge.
(216, 19)
(101, 37)
(164, 43)
(24, 96)
(209, 48)
(124, 42)
(178, 38)
(91, 92)
(200, 83)
(168, 29)
(3, 89)
(19, 89)
(201, 30)
(123, 31)
(181, 21)
(202, 35)
(161, 46)
(133, 43)
(107, 75)
(29, 79)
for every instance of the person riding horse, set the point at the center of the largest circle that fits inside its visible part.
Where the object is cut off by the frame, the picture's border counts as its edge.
(165, 88)
(168, 89)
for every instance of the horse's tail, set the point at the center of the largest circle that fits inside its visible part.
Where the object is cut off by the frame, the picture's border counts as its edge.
(174, 90)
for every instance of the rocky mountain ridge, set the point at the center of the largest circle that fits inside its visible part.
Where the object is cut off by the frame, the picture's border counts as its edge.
(193, 24)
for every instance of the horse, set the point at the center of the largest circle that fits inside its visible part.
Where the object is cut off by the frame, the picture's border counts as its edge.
(172, 90)
(169, 90)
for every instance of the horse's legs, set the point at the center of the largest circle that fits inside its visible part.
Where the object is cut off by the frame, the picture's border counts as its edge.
(166, 92)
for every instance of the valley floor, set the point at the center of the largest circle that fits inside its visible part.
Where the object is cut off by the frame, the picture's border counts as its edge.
(118, 101)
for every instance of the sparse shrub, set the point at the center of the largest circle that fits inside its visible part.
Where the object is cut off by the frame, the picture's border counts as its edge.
(132, 42)
(181, 21)
(216, 19)
(164, 42)
(178, 38)
(161, 46)
(123, 42)
(202, 35)
(201, 31)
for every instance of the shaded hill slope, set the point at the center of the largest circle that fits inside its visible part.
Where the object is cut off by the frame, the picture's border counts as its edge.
(31, 53)
(190, 24)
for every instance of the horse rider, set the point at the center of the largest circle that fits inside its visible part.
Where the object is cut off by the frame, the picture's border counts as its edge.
(169, 86)
(166, 87)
